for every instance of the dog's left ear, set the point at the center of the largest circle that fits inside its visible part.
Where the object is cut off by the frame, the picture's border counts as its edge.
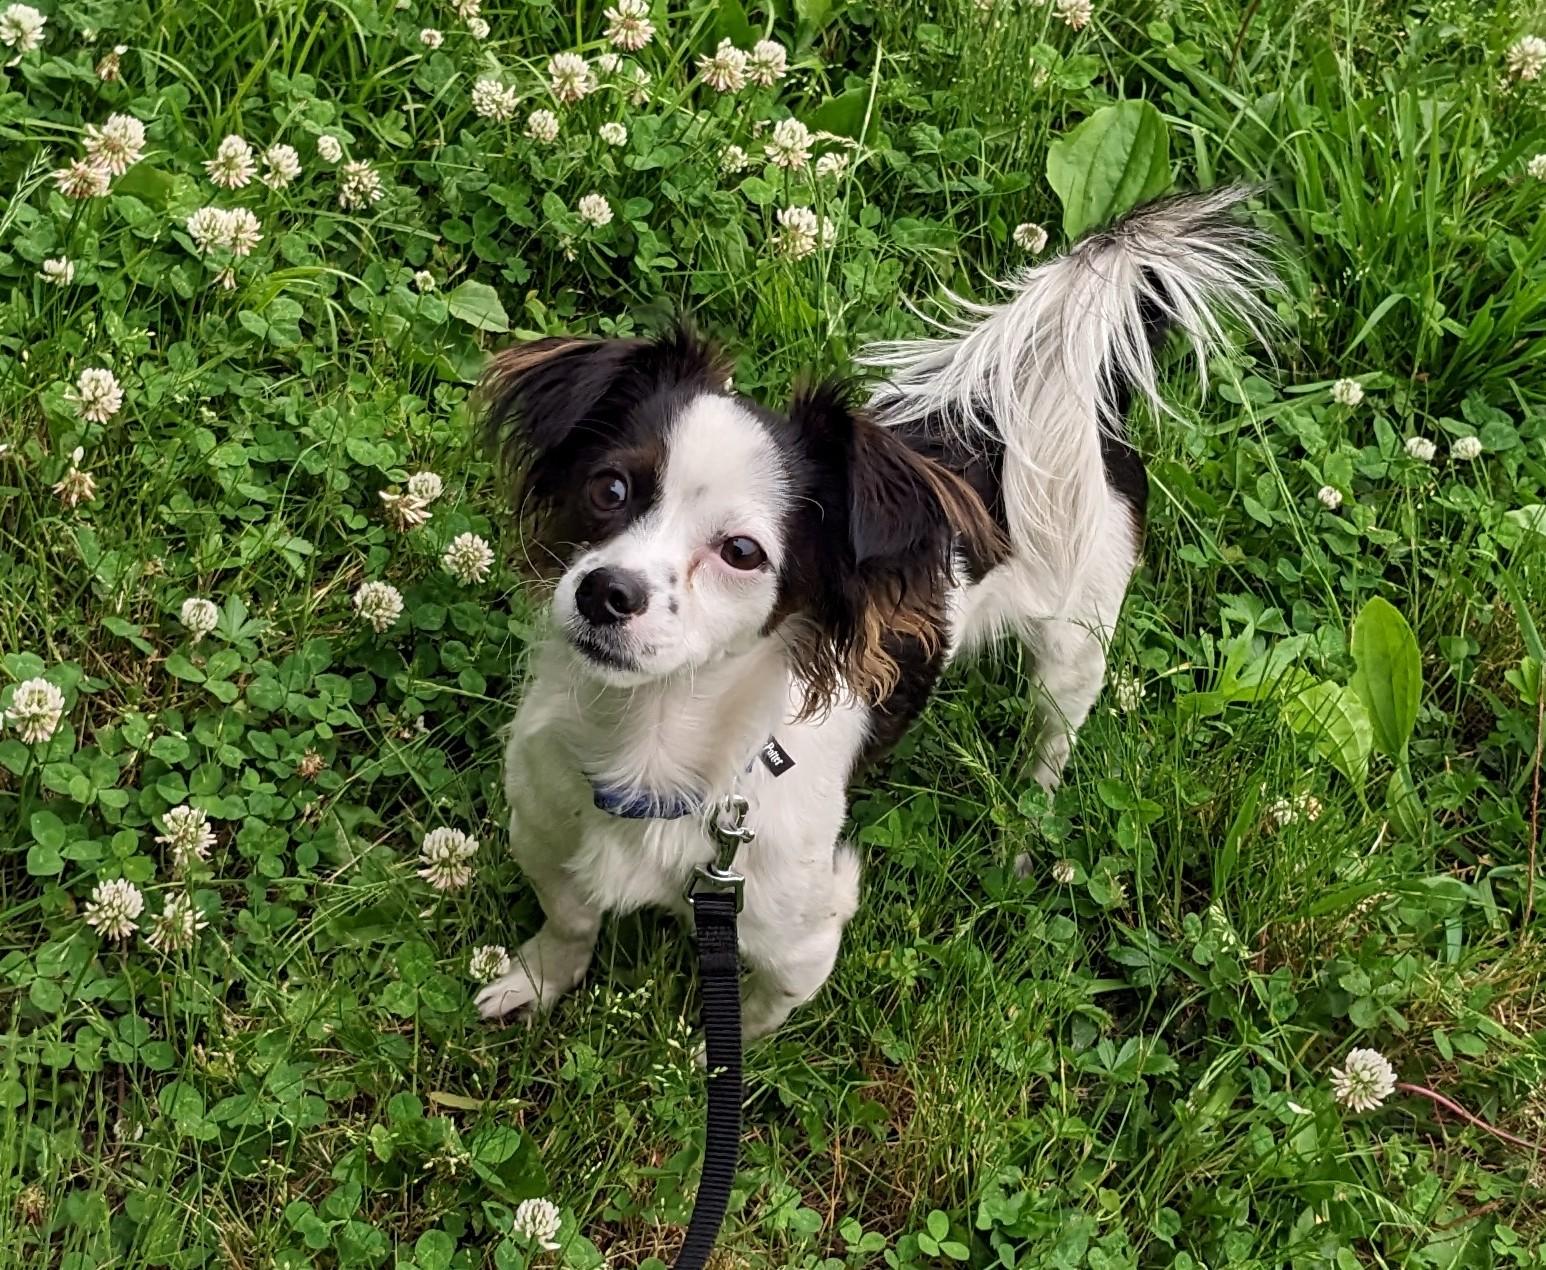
(879, 537)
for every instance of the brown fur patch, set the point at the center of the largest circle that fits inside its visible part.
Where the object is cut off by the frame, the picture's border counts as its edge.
(883, 549)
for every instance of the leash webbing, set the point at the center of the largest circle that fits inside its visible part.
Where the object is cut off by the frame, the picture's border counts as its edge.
(715, 892)
(719, 982)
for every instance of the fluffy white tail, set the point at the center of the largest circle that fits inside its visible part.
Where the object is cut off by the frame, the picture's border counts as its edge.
(1045, 373)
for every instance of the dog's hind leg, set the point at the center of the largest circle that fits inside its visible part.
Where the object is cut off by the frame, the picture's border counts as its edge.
(1070, 668)
(1070, 651)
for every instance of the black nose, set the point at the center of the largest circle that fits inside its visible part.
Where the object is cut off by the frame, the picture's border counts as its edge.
(606, 596)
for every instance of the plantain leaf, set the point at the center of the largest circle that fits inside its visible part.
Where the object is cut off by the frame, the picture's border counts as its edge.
(477, 304)
(1335, 719)
(1389, 679)
(1110, 163)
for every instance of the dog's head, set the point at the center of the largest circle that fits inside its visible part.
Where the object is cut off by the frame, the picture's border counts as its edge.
(690, 523)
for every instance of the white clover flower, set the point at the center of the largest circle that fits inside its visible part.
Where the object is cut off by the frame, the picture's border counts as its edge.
(1063, 872)
(113, 908)
(734, 159)
(639, 81)
(117, 145)
(1536, 168)
(282, 165)
(594, 210)
(538, 1220)
(431, 38)
(76, 486)
(607, 63)
(1347, 392)
(82, 179)
(1077, 13)
(1290, 811)
(1221, 928)
(424, 281)
(1128, 693)
(628, 24)
(36, 710)
(446, 858)
(199, 616)
(176, 926)
(242, 231)
(359, 185)
(1466, 449)
(468, 559)
(492, 100)
(379, 603)
(21, 28)
(1029, 236)
(831, 167)
(791, 145)
(207, 228)
(542, 125)
(767, 63)
(403, 511)
(801, 231)
(488, 962)
(1526, 57)
(725, 71)
(426, 486)
(478, 28)
(1330, 496)
(97, 395)
(614, 134)
(1364, 1080)
(187, 835)
(329, 148)
(569, 77)
(111, 66)
(1421, 449)
(467, 10)
(59, 271)
(233, 165)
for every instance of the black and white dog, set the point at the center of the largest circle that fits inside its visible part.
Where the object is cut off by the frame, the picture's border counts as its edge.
(759, 603)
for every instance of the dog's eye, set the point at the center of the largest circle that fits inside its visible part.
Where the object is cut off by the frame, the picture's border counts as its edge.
(742, 553)
(608, 490)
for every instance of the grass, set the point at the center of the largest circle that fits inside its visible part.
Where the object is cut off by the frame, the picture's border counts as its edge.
(1130, 1068)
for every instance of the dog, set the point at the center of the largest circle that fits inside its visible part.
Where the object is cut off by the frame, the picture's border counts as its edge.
(761, 602)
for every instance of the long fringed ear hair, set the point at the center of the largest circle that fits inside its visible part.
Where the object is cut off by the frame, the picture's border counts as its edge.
(877, 542)
(552, 401)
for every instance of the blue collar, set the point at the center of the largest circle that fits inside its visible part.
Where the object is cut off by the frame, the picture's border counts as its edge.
(634, 804)
(630, 803)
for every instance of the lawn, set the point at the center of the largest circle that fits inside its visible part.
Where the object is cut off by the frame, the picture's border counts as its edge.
(253, 257)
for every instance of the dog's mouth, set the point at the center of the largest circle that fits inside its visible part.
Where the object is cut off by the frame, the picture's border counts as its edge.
(599, 650)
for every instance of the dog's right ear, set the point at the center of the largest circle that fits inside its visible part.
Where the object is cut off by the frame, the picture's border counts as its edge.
(542, 397)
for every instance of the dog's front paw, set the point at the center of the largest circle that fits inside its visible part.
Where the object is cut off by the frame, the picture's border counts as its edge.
(509, 994)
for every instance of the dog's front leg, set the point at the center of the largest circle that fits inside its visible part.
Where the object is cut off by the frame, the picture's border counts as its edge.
(555, 959)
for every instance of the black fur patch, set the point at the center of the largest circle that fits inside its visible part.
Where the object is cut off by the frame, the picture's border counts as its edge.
(562, 410)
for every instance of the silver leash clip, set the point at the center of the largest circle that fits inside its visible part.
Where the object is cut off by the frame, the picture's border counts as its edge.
(731, 833)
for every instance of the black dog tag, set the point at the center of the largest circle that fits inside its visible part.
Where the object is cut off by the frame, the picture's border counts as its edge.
(775, 757)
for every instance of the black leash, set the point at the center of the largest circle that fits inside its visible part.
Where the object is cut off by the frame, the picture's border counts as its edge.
(715, 893)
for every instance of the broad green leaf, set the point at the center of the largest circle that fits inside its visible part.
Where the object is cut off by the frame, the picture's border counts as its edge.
(843, 115)
(1335, 718)
(1523, 524)
(1389, 678)
(731, 23)
(758, 191)
(477, 304)
(1110, 163)
(1406, 809)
